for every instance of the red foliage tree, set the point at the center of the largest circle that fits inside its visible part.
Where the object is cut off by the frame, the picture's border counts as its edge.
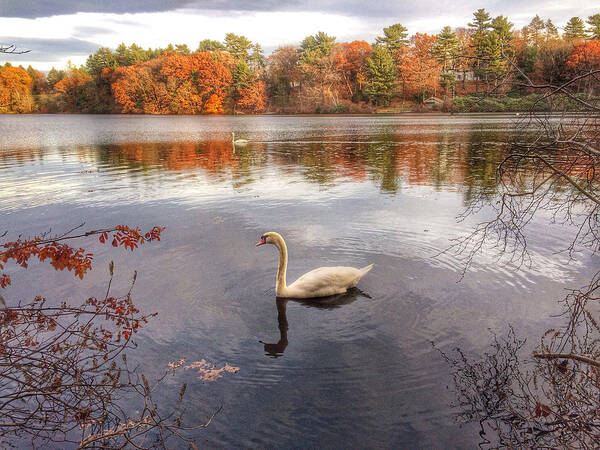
(585, 57)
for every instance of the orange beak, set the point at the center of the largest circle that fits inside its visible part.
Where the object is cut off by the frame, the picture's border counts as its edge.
(263, 240)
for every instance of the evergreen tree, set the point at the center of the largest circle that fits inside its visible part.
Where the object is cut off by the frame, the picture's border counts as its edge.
(483, 44)
(182, 49)
(481, 23)
(502, 29)
(208, 45)
(104, 57)
(394, 37)
(257, 57)
(54, 76)
(551, 31)
(574, 29)
(535, 31)
(594, 29)
(381, 76)
(238, 46)
(313, 48)
(446, 48)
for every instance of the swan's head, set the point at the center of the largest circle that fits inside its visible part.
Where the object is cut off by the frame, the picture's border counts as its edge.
(269, 238)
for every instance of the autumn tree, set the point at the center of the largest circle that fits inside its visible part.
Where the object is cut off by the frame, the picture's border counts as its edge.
(321, 80)
(349, 61)
(64, 372)
(253, 99)
(76, 92)
(284, 74)
(173, 83)
(585, 59)
(551, 62)
(16, 90)
(419, 68)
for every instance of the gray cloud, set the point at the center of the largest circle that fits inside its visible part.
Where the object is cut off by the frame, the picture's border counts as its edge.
(31, 9)
(83, 32)
(49, 49)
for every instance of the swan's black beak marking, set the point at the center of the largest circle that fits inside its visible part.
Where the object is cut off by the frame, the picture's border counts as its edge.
(263, 240)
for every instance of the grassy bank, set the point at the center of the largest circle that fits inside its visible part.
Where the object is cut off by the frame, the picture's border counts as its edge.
(531, 102)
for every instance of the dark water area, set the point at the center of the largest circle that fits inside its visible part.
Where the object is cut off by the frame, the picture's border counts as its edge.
(356, 371)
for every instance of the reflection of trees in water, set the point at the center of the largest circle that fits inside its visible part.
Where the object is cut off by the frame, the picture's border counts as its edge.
(277, 349)
(444, 158)
(553, 399)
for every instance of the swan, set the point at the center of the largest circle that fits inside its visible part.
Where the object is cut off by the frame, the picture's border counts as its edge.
(235, 141)
(321, 282)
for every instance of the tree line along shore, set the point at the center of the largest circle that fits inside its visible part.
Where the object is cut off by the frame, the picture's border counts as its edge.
(481, 67)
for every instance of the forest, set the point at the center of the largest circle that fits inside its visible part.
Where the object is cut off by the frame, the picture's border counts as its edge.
(467, 69)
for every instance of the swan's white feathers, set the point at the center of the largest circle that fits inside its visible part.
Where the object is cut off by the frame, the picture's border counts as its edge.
(326, 281)
(320, 282)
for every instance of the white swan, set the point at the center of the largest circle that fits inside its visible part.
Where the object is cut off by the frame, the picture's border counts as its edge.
(235, 141)
(320, 282)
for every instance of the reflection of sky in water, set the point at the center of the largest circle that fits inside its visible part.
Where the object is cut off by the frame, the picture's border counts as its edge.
(342, 191)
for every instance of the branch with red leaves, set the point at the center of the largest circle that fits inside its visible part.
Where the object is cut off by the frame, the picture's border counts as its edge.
(62, 256)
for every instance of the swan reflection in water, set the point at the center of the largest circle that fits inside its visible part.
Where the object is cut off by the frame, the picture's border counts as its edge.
(276, 350)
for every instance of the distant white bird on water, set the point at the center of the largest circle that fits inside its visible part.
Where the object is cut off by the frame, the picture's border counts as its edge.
(235, 141)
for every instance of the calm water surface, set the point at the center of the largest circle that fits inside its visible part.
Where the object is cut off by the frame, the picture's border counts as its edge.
(357, 371)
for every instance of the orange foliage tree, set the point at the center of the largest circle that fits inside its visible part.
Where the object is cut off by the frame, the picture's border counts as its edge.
(15, 90)
(419, 68)
(349, 60)
(71, 90)
(253, 99)
(172, 84)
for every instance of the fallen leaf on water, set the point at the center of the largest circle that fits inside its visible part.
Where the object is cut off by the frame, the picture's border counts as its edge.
(208, 371)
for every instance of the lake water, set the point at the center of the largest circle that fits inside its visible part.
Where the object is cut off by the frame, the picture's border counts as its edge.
(358, 371)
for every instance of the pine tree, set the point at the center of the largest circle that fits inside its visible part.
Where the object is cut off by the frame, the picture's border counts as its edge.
(238, 46)
(551, 31)
(394, 37)
(594, 29)
(481, 23)
(208, 45)
(315, 47)
(382, 75)
(574, 29)
(535, 31)
(446, 48)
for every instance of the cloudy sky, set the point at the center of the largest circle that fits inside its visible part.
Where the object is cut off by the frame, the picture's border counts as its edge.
(56, 31)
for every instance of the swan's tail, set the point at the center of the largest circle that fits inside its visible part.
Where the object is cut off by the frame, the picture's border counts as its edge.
(365, 270)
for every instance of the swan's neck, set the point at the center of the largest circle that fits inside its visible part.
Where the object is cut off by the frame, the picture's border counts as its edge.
(281, 285)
